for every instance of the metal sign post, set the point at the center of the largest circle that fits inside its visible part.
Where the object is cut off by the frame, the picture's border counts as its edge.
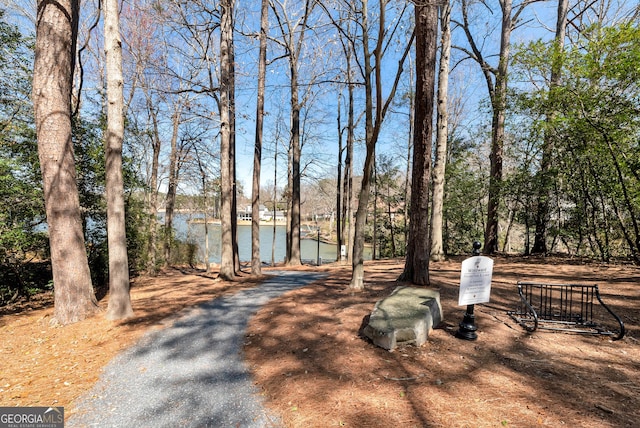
(475, 287)
(318, 238)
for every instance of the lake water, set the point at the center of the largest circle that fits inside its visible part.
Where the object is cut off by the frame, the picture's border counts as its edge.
(194, 232)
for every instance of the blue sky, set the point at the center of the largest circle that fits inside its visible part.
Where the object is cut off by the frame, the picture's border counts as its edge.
(321, 132)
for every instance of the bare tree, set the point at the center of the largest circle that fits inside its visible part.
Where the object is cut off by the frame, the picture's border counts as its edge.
(176, 90)
(119, 305)
(442, 128)
(152, 180)
(172, 187)
(348, 159)
(227, 260)
(496, 80)
(373, 124)
(56, 35)
(138, 27)
(344, 23)
(256, 262)
(292, 32)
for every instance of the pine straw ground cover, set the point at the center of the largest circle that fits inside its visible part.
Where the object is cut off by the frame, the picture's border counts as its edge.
(314, 369)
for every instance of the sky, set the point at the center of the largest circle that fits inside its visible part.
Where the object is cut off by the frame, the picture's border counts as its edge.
(320, 150)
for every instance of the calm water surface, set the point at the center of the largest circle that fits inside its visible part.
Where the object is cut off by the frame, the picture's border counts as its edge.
(194, 232)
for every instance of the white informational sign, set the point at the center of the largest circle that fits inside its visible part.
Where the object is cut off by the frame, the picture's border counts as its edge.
(475, 280)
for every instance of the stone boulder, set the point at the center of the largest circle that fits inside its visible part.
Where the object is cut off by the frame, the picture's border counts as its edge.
(406, 316)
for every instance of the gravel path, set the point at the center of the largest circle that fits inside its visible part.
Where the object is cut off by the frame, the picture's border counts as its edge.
(190, 374)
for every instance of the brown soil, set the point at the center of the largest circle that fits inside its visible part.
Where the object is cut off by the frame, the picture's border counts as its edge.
(315, 370)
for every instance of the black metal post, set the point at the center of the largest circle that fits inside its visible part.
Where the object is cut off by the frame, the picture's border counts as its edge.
(318, 248)
(467, 328)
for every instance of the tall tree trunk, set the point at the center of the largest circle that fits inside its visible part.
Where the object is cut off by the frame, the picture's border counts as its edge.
(357, 261)
(293, 258)
(339, 187)
(207, 268)
(407, 174)
(499, 105)
(546, 180)
(227, 264)
(293, 35)
(119, 305)
(256, 262)
(289, 199)
(153, 188)
(348, 167)
(172, 187)
(374, 244)
(275, 204)
(391, 221)
(203, 181)
(439, 168)
(56, 35)
(416, 267)
(232, 142)
(498, 94)
(372, 130)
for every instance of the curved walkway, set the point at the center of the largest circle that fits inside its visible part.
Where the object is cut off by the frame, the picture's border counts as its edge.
(191, 374)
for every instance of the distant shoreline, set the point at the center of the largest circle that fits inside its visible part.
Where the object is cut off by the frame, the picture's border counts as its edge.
(240, 222)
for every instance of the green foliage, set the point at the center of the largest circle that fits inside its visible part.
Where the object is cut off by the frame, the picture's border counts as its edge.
(23, 243)
(183, 252)
(90, 165)
(390, 231)
(24, 246)
(89, 157)
(464, 199)
(592, 121)
(136, 227)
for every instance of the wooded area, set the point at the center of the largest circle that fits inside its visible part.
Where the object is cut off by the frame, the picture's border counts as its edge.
(110, 117)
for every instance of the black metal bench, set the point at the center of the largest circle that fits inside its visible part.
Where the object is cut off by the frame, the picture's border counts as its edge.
(564, 307)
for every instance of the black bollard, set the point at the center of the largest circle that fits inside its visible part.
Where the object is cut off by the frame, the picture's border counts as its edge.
(467, 328)
(318, 247)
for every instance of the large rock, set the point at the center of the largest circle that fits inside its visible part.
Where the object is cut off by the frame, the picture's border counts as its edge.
(407, 316)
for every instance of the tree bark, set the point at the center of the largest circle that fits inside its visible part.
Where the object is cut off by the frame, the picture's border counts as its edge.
(227, 266)
(339, 187)
(293, 258)
(119, 305)
(172, 187)
(56, 35)
(499, 105)
(256, 262)
(152, 263)
(408, 159)
(275, 202)
(416, 267)
(357, 261)
(372, 129)
(231, 90)
(546, 180)
(439, 168)
(348, 167)
(498, 94)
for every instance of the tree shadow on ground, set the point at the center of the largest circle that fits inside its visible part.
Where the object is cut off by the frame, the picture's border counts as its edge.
(316, 370)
